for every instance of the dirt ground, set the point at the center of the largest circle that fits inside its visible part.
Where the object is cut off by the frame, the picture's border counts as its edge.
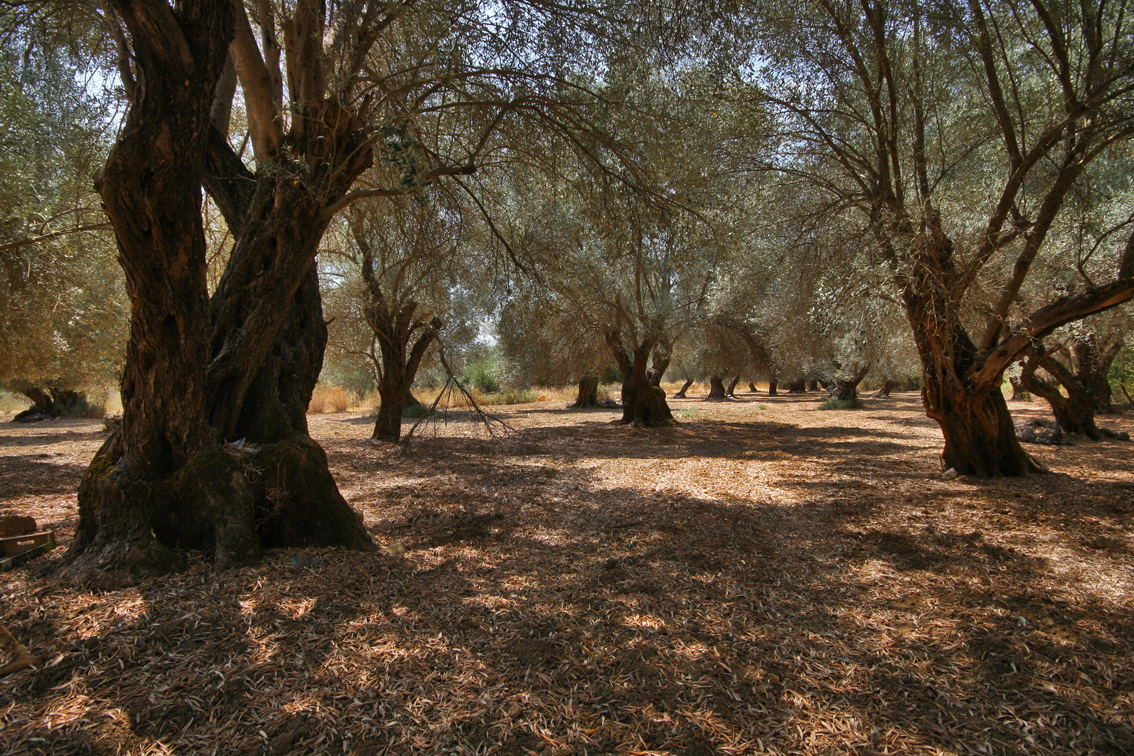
(765, 578)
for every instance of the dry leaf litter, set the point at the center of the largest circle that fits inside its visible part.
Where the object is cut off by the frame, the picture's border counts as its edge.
(764, 578)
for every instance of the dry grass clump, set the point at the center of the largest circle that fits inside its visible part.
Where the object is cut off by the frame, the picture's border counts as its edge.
(330, 399)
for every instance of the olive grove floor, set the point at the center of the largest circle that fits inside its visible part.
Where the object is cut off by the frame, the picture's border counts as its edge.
(764, 578)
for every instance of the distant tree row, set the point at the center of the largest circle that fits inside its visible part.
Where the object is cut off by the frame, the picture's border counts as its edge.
(795, 191)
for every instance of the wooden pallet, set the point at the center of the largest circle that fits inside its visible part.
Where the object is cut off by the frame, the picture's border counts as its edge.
(16, 550)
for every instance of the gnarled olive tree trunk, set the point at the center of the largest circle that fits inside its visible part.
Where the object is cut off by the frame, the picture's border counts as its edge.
(643, 403)
(403, 340)
(979, 435)
(843, 385)
(588, 393)
(213, 452)
(717, 391)
(1083, 378)
(684, 387)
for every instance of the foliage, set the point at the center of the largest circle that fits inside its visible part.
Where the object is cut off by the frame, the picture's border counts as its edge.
(481, 375)
(62, 321)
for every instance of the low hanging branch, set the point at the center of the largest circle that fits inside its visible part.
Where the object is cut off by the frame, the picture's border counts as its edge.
(485, 417)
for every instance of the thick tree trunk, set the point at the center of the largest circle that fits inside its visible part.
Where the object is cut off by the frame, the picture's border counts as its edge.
(40, 399)
(980, 438)
(752, 388)
(388, 424)
(396, 327)
(717, 391)
(773, 384)
(684, 387)
(887, 387)
(843, 386)
(797, 387)
(49, 403)
(813, 384)
(730, 390)
(588, 393)
(662, 355)
(643, 404)
(1084, 379)
(161, 481)
(197, 375)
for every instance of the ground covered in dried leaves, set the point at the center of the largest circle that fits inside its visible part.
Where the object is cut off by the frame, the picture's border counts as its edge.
(765, 578)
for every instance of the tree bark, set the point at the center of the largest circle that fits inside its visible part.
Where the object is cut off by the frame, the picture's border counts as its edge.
(643, 404)
(798, 387)
(887, 387)
(752, 388)
(773, 384)
(198, 374)
(588, 393)
(51, 402)
(1084, 379)
(730, 390)
(844, 386)
(717, 391)
(662, 355)
(813, 384)
(684, 387)
(150, 488)
(396, 326)
(980, 438)
(398, 373)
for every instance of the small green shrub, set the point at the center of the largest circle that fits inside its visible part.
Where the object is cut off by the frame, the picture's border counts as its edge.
(481, 375)
(689, 413)
(841, 404)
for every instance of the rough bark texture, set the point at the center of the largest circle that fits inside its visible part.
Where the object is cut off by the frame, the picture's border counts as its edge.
(1083, 377)
(843, 386)
(730, 390)
(773, 385)
(643, 404)
(213, 451)
(887, 387)
(148, 489)
(660, 363)
(979, 435)
(684, 387)
(400, 363)
(588, 393)
(48, 403)
(403, 336)
(717, 391)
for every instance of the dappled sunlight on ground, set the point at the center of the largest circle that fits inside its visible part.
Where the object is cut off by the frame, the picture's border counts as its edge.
(764, 578)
